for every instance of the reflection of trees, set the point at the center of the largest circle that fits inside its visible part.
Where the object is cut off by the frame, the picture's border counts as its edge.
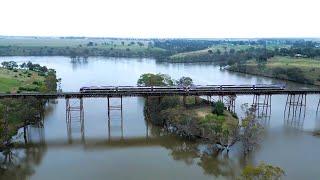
(218, 164)
(19, 163)
(208, 157)
(79, 62)
(182, 150)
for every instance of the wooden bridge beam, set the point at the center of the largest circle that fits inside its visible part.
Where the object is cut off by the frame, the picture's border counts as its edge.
(262, 104)
(295, 103)
(70, 116)
(112, 108)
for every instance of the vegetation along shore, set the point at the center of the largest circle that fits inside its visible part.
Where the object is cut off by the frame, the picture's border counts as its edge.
(16, 113)
(288, 59)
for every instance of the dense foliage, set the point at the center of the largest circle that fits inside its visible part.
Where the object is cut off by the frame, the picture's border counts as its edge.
(150, 79)
(218, 108)
(262, 172)
(82, 51)
(180, 115)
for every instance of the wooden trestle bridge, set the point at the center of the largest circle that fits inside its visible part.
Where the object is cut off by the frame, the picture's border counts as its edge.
(295, 106)
(226, 93)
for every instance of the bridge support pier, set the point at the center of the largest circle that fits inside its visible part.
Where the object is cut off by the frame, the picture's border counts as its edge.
(262, 105)
(115, 108)
(295, 103)
(230, 103)
(72, 109)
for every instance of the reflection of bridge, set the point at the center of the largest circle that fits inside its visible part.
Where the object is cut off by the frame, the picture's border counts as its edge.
(102, 143)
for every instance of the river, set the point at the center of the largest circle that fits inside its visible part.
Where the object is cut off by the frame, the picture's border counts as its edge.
(130, 148)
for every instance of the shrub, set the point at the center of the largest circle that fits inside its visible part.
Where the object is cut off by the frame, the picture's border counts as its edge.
(262, 171)
(218, 108)
(37, 83)
(29, 88)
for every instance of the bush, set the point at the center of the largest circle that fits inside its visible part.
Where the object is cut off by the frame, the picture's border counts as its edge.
(29, 88)
(218, 108)
(41, 74)
(37, 83)
(262, 171)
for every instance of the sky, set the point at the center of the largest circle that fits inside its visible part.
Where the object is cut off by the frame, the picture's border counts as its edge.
(161, 18)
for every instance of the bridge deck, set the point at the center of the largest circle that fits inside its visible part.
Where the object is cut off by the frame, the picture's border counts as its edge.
(143, 93)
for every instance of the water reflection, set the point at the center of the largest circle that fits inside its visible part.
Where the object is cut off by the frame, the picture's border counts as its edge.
(19, 163)
(78, 63)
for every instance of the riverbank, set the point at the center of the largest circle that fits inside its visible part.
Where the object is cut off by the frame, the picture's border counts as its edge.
(301, 70)
(16, 113)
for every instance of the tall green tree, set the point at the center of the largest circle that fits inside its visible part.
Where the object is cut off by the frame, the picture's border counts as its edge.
(159, 79)
(185, 81)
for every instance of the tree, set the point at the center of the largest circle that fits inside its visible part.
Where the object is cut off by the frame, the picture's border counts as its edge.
(150, 79)
(9, 64)
(252, 129)
(262, 172)
(184, 81)
(218, 108)
(90, 43)
(51, 81)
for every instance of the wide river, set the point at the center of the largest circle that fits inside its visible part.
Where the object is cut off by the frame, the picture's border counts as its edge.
(131, 148)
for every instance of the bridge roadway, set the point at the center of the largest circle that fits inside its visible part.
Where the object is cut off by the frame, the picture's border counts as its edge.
(143, 93)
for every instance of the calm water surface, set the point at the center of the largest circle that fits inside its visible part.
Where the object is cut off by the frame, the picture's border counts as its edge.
(138, 150)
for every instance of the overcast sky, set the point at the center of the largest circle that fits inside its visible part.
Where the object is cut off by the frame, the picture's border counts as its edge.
(161, 18)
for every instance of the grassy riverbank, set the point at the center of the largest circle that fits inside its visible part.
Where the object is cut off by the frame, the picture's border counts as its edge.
(13, 81)
(15, 113)
(303, 70)
(208, 53)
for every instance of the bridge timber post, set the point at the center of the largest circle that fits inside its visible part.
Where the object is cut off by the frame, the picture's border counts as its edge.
(230, 103)
(114, 107)
(71, 116)
(118, 107)
(295, 103)
(262, 104)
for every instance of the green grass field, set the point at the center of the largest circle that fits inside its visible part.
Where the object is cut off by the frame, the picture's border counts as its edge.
(10, 81)
(24, 46)
(294, 62)
(310, 68)
(222, 48)
(64, 42)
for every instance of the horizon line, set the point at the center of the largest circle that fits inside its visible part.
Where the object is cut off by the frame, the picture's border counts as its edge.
(145, 38)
